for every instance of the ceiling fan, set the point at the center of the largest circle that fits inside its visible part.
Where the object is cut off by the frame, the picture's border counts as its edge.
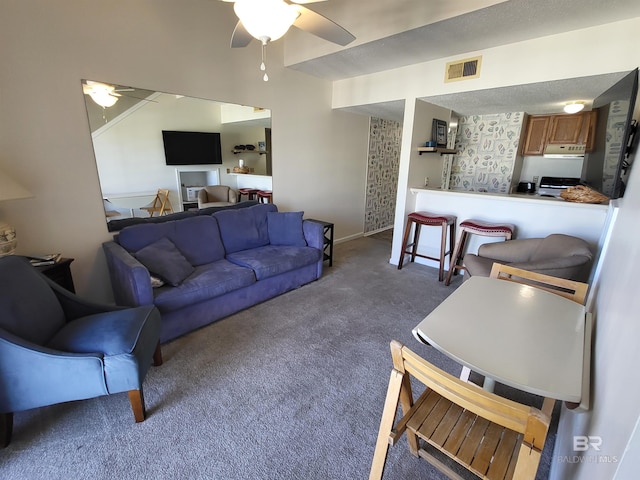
(269, 20)
(103, 94)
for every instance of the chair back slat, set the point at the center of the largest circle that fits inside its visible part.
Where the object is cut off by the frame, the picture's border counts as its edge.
(571, 289)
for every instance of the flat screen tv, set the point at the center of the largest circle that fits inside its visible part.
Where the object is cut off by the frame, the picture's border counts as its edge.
(606, 168)
(191, 148)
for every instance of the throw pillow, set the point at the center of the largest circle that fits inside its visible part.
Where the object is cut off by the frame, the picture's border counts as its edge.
(285, 228)
(163, 259)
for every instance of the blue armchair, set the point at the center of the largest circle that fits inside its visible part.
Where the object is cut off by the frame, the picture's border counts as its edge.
(55, 348)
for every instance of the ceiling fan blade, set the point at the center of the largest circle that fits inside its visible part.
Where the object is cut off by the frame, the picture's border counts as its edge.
(321, 26)
(303, 2)
(240, 37)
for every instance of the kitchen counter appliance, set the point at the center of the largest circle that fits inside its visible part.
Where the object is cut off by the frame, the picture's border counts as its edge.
(553, 186)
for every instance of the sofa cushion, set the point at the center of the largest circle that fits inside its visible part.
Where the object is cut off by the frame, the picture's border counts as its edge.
(272, 260)
(285, 228)
(197, 238)
(165, 260)
(244, 228)
(208, 281)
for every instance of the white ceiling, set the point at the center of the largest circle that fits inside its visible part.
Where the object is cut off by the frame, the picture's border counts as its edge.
(503, 23)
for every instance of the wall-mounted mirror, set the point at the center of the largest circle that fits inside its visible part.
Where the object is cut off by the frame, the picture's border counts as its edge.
(127, 125)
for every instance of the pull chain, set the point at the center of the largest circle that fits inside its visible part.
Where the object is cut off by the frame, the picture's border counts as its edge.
(263, 67)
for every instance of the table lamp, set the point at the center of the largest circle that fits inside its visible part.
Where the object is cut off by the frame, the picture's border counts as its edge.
(9, 190)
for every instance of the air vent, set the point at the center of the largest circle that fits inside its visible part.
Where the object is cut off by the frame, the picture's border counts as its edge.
(463, 69)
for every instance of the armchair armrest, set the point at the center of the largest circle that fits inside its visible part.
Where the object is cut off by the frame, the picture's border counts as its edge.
(511, 251)
(549, 264)
(35, 376)
(130, 280)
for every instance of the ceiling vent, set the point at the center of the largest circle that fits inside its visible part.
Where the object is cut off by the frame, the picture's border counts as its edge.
(463, 69)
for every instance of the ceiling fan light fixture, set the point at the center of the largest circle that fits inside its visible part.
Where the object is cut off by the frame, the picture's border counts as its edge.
(101, 93)
(573, 107)
(265, 19)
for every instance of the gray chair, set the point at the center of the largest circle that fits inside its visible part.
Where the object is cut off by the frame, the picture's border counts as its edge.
(216, 196)
(557, 255)
(55, 347)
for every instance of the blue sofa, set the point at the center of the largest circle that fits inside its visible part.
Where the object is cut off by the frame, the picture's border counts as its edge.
(207, 267)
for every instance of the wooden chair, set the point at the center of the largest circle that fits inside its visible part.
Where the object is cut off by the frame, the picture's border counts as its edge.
(491, 436)
(576, 291)
(161, 204)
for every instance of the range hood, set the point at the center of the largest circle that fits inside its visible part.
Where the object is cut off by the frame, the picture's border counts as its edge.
(564, 151)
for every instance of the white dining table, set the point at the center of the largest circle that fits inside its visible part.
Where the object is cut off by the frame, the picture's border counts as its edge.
(515, 334)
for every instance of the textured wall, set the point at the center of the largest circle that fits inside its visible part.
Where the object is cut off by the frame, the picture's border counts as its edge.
(487, 146)
(382, 173)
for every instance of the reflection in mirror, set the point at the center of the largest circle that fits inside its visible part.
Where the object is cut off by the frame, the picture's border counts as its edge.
(130, 155)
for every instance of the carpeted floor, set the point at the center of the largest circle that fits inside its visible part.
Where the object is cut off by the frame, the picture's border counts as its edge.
(290, 389)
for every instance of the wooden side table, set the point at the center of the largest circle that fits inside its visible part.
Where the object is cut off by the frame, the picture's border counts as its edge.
(60, 273)
(327, 229)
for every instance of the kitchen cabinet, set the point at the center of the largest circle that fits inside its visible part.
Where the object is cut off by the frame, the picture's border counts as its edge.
(542, 130)
(565, 129)
(536, 134)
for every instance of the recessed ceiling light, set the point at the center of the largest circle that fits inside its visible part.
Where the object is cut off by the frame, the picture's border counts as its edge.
(574, 107)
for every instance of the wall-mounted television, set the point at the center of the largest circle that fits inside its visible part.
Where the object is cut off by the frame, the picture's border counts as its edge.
(606, 168)
(191, 148)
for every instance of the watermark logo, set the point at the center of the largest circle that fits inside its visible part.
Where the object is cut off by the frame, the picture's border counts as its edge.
(587, 443)
(582, 443)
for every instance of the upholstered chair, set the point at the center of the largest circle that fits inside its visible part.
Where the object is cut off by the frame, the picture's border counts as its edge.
(55, 347)
(557, 255)
(217, 196)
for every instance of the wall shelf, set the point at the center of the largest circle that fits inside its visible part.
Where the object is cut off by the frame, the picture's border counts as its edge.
(441, 151)
(259, 152)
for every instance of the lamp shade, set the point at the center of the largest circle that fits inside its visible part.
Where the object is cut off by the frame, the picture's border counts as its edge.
(266, 20)
(10, 189)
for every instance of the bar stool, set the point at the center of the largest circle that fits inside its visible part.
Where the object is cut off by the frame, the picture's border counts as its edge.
(265, 196)
(430, 220)
(477, 227)
(249, 192)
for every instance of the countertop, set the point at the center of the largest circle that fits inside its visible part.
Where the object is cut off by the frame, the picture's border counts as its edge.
(515, 197)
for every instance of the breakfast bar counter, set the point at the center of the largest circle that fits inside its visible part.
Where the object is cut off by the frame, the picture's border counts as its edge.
(533, 216)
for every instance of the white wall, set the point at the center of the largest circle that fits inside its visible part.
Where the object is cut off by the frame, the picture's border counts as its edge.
(177, 47)
(615, 391)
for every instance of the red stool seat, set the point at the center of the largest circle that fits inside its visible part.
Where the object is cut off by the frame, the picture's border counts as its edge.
(488, 229)
(477, 227)
(265, 195)
(249, 192)
(431, 220)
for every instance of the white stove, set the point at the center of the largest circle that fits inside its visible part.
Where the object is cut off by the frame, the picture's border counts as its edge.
(553, 186)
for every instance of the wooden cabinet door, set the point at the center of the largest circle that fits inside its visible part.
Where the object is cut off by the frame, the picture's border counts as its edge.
(536, 134)
(565, 129)
(588, 131)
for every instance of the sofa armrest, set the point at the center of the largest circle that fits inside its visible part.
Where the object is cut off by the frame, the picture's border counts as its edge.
(130, 280)
(510, 251)
(313, 234)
